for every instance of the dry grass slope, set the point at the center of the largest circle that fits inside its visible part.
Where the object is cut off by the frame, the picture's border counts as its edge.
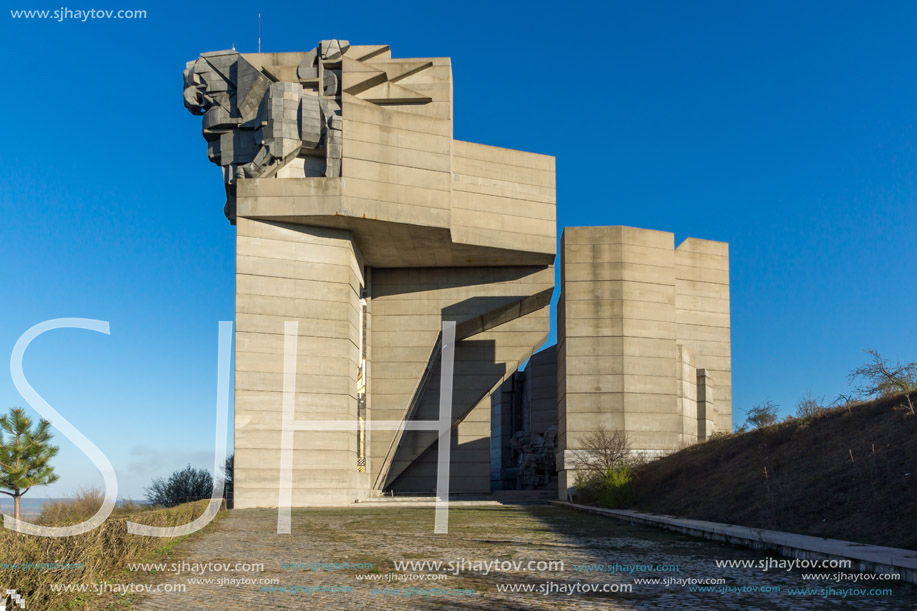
(847, 473)
(103, 552)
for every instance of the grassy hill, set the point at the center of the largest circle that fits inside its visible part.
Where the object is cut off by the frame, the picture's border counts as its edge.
(848, 473)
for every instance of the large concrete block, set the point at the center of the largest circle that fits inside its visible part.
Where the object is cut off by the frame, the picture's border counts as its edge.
(638, 320)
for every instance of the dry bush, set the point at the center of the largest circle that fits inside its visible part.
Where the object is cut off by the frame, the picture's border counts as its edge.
(882, 378)
(83, 505)
(65, 512)
(103, 552)
(810, 405)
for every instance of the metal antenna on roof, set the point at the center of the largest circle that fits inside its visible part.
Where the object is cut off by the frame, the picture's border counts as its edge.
(259, 32)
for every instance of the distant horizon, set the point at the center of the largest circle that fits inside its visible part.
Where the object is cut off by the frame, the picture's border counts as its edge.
(32, 499)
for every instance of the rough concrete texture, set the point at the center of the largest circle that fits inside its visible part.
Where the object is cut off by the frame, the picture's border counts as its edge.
(637, 319)
(311, 275)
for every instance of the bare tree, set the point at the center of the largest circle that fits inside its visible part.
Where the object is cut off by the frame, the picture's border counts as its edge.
(809, 405)
(600, 451)
(880, 378)
(762, 414)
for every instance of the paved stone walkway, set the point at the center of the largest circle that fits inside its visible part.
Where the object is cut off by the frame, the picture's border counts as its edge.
(381, 536)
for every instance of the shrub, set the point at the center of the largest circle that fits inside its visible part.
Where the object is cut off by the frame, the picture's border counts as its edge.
(810, 405)
(185, 486)
(762, 414)
(616, 488)
(65, 512)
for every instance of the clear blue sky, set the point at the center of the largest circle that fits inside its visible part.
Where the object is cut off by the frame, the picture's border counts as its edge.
(786, 129)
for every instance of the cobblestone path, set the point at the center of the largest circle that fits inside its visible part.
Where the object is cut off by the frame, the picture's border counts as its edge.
(514, 535)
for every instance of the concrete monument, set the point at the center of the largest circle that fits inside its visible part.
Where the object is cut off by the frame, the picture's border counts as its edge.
(360, 218)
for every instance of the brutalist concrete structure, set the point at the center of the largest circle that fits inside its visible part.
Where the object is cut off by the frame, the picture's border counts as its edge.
(643, 347)
(643, 340)
(360, 218)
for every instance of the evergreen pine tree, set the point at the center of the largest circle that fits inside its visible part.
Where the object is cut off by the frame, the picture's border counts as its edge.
(24, 455)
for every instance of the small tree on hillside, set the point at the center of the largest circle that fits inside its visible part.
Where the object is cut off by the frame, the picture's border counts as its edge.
(604, 468)
(24, 455)
(762, 414)
(600, 451)
(880, 378)
(809, 405)
(183, 486)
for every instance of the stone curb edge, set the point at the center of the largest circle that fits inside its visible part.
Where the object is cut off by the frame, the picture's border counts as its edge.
(866, 558)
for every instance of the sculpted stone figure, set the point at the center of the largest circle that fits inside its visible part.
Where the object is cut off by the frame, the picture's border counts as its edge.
(536, 457)
(255, 125)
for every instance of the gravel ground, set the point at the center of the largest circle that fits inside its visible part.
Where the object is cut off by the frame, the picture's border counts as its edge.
(381, 536)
